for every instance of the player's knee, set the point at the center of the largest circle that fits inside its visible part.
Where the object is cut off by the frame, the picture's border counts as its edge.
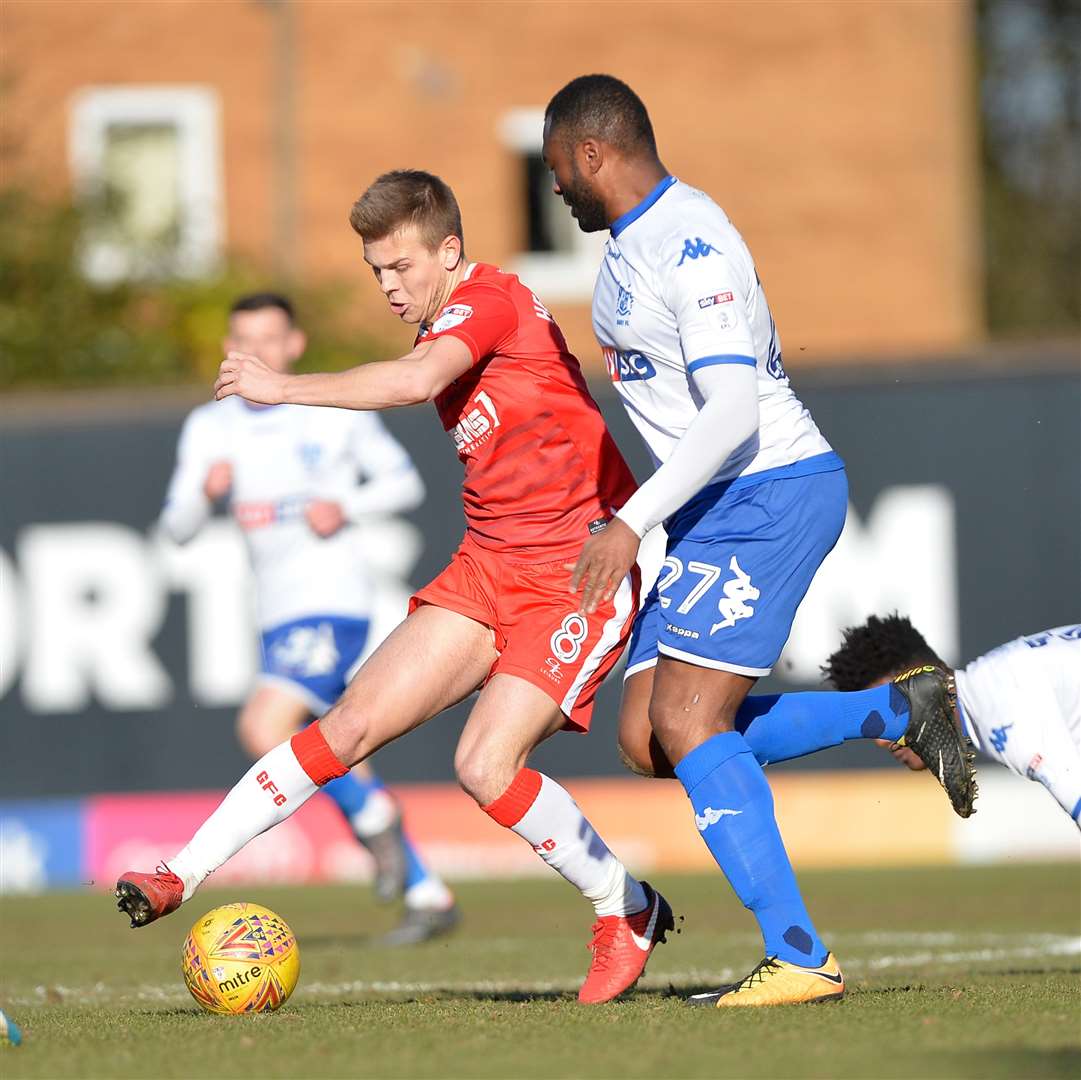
(680, 726)
(632, 759)
(645, 758)
(481, 775)
(663, 721)
(638, 748)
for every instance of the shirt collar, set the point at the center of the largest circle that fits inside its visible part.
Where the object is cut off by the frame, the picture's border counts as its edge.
(636, 212)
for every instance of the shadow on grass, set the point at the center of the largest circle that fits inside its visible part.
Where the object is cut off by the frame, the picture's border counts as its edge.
(450, 993)
(1035, 971)
(1034, 1064)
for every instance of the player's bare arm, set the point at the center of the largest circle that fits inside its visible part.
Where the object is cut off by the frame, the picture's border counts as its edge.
(324, 516)
(219, 480)
(414, 379)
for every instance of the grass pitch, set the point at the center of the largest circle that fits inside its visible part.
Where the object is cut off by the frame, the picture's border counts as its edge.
(951, 973)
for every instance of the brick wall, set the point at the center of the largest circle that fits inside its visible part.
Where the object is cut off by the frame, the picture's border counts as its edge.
(839, 136)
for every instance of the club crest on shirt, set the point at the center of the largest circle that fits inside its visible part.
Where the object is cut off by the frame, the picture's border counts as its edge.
(624, 303)
(454, 315)
(310, 453)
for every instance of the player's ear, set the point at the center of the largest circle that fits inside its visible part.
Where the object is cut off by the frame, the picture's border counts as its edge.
(451, 252)
(591, 153)
(298, 342)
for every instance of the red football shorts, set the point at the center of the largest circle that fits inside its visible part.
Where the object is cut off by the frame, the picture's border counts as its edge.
(539, 633)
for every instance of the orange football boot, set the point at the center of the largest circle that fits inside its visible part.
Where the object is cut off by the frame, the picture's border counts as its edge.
(621, 946)
(146, 897)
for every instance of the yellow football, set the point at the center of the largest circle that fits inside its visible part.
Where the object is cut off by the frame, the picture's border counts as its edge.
(240, 958)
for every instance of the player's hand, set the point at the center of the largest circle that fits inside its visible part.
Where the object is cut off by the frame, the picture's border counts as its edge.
(605, 561)
(219, 480)
(251, 378)
(324, 517)
(905, 756)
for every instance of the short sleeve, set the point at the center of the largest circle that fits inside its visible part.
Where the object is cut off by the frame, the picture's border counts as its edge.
(709, 301)
(483, 317)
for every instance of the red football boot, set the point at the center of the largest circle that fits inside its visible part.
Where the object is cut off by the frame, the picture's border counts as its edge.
(146, 897)
(621, 946)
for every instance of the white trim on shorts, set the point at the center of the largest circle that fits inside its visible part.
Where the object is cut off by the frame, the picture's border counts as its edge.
(610, 635)
(633, 669)
(717, 665)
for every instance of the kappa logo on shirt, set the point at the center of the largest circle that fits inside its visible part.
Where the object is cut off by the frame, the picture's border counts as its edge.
(451, 316)
(695, 249)
(1000, 736)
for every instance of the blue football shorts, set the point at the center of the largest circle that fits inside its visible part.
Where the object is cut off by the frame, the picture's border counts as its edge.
(740, 558)
(313, 657)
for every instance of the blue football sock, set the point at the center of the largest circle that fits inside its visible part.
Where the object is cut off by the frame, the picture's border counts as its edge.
(782, 726)
(733, 809)
(415, 870)
(350, 792)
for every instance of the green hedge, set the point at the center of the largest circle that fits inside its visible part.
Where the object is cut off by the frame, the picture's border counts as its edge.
(57, 328)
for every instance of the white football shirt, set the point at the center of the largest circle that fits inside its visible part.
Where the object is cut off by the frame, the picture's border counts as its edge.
(283, 457)
(1021, 704)
(678, 290)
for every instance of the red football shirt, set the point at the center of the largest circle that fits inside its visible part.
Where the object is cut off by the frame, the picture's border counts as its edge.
(540, 465)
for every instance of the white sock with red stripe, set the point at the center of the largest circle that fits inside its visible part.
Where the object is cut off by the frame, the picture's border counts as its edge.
(279, 783)
(540, 811)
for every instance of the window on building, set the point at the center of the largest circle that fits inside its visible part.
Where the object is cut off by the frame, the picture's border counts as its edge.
(146, 163)
(559, 261)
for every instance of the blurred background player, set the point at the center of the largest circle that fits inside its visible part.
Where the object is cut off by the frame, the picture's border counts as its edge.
(1020, 704)
(298, 480)
(10, 1034)
(753, 498)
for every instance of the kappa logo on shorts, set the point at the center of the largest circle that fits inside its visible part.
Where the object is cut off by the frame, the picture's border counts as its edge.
(307, 651)
(737, 591)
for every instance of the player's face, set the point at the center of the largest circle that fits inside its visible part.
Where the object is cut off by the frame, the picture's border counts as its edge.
(412, 278)
(268, 334)
(572, 185)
